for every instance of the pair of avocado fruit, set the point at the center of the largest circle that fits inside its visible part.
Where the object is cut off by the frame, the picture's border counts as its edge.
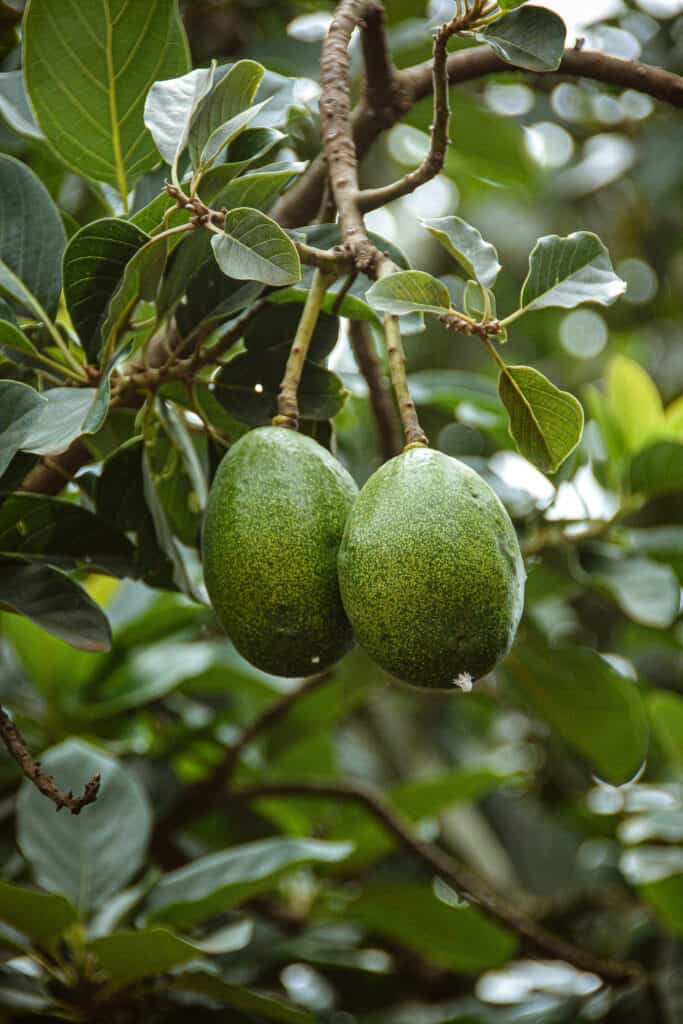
(423, 566)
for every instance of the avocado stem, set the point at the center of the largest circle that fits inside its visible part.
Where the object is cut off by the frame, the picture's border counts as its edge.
(287, 402)
(414, 434)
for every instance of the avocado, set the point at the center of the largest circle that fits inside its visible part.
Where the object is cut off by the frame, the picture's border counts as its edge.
(430, 570)
(274, 521)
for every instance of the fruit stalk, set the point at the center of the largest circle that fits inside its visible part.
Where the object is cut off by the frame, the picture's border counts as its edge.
(287, 404)
(414, 434)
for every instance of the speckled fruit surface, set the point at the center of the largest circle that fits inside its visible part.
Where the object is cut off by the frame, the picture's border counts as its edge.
(431, 574)
(274, 521)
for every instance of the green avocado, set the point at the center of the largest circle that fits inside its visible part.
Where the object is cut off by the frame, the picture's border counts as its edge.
(431, 574)
(274, 521)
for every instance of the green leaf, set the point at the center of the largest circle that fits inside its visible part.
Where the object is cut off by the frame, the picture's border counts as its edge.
(478, 258)
(66, 414)
(263, 1007)
(531, 38)
(89, 65)
(54, 602)
(140, 280)
(14, 339)
(94, 263)
(247, 387)
(565, 272)
(213, 884)
(89, 856)
(169, 108)
(455, 938)
(274, 327)
(231, 96)
(634, 401)
(409, 291)
(31, 242)
(15, 107)
(666, 716)
(164, 538)
(649, 593)
(255, 190)
(20, 409)
(39, 528)
(252, 247)
(658, 470)
(227, 133)
(248, 147)
(41, 916)
(128, 956)
(589, 704)
(546, 424)
(177, 476)
(657, 871)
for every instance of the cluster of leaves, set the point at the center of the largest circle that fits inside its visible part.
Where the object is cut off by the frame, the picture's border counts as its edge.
(117, 910)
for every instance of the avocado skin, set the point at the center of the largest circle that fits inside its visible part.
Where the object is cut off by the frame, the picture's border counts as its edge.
(274, 521)
(430, 570)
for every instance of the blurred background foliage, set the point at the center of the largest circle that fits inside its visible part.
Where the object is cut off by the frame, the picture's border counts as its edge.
(517, 778)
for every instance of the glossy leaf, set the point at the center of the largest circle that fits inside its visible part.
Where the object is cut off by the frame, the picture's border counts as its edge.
(169, 108)
(252, 247)
(409, 291)
(530, 37)
(89, 856)
(54, 602)
(15, 107)
(649, 593)
(254, 190)
(566, 272)
(140, 280)
(545, 423)
(215, 883)
(20, 410)
(39, 528)
(477, 258)
(589, 704)
(225, 134)
(244, 1000)
(232, 95)
(13, 339)
(94, 263)
(40, 916)
(66, 414)
(31, 242)
(88, 71)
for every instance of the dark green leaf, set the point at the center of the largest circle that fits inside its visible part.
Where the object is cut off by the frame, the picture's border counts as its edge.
(215, 883)
(545, 423)
(176, 474)
(532, 38)
(276, 325)
(140, 280)
(20, 410)
(458, 938)
(478, 258)
(254, 190)
(591, 706)
(248, 387)
(41, 916)
(54, 602)
(666, 715)
(649, 593)
(14, 339)
(264, 1007)
(89, 856)
(94, 263)
(45, 529)
(31, 242)
(88, 71)
(128, 956)
(65, 415)
(221, 138)
(249, 146)
(658, 469)
(252, 247)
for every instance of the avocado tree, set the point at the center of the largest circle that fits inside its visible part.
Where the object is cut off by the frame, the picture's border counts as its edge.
(409, 754)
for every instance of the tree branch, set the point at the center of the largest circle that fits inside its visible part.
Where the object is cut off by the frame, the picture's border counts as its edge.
(18, 748)
(452, 871)
(381, 401)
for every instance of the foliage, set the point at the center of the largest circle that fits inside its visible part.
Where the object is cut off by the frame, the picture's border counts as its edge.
(341, 849)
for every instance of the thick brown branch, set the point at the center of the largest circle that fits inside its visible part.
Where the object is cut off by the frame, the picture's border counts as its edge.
(17, 747)
(450, 870)
(380, 397)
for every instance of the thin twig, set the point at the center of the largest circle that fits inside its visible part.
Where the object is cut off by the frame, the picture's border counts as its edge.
(450, 870)
(414, 434)
(18, 748)
(381, 401)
